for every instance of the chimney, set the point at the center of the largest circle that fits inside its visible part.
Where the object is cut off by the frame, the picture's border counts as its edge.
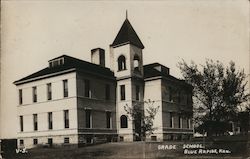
(98, 56)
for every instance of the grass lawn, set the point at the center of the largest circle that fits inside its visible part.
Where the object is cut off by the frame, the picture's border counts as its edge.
(119, 150)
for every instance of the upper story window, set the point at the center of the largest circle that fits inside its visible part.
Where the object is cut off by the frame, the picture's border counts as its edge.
(121, 63)
(87, 88)
(20, 97)
(65, 88)
(56, 62)
(34, 90)
(49, 91)
(107, 91)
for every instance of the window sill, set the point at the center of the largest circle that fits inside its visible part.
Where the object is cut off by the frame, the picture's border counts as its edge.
(122, 70)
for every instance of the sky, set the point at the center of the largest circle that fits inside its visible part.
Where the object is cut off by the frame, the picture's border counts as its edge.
(33, 32)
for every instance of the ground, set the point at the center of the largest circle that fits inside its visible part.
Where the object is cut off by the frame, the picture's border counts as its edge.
(118, 150)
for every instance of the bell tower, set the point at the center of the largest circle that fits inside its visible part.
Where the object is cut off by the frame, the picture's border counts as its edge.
(127, 63)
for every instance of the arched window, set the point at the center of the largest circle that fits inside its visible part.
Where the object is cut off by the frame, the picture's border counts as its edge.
(121, 63)
(124, 121)
(136, 61)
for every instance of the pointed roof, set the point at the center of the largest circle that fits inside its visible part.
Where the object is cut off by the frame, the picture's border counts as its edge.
(127, 35)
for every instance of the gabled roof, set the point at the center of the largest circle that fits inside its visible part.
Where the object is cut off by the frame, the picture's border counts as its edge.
(127, 35)
(70, 64)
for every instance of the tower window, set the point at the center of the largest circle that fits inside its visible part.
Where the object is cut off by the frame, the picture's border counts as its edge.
(122, 92)
(124, 121)
(136, 62)
(121, 63)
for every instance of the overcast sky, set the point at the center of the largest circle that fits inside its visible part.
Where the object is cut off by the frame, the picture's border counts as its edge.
(34, 32)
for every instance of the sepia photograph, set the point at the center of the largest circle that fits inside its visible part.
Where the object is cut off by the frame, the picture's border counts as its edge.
(137, 79)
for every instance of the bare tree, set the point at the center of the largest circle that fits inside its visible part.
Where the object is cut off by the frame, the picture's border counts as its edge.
(143, 115)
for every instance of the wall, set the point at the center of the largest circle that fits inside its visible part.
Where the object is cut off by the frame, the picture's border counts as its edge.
(56, 105)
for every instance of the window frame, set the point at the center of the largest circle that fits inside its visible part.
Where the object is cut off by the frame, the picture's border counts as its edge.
(122, 92)
(21, 123)
(123, 121)
(50, 121)
(66, 118)
(49, 91)
(65, 88)
(108, 119)
(20, 93)
(34, 94)
(35, 122)
(121, 63)
(87, 89)
(88, 118)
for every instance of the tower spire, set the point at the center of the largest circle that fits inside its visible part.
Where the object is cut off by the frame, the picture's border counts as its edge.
(126, 14)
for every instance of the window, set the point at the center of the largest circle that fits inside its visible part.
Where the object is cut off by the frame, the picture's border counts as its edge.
(20, 97)
(136, 62)
(170, 95)
(171, 119)
(107, 92)
(88, 118)
(35, 141)
(66, 118)
(21, 142)
(49, 91)
(124, 121)
(50, 141)
(122, 92)
(180, 122)
(108, 119)
(50, 120)
(35, 121)
(137, 92)
(66, 140)
(34, 94)
(86, 88)
(65, 88)
(121, 63)
(188, 123)
(21, 123)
